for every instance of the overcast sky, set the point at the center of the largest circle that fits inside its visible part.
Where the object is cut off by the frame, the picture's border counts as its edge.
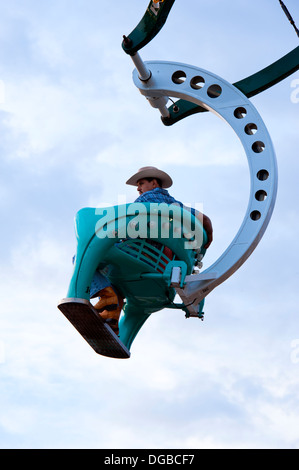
(73, 129)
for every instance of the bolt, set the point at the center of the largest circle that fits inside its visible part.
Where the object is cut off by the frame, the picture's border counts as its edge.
(127, 41)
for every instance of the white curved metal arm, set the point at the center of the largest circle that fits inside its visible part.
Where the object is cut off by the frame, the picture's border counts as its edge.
(220, 97)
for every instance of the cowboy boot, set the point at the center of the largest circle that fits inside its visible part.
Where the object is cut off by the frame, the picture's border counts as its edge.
(108, 298)
(111, 317)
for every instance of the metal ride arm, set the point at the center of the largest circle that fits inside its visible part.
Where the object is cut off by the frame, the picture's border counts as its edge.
(152, 22)
(198, 90)
(218, 96)
(150, 25)
(250, 86)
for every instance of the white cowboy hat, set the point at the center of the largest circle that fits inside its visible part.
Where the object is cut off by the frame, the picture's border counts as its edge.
(150, 172)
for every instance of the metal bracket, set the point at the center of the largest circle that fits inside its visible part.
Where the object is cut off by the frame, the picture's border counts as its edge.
(176, 276)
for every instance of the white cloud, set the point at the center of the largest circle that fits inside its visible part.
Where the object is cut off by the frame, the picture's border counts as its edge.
(2, 91)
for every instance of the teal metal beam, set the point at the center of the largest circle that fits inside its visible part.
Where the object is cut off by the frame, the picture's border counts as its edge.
(250, 86)
(152, 22)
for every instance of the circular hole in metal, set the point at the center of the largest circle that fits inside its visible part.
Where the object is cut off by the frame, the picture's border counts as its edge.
(263, 175)
(240, 113)
(214, 91)
(255, 215)
(179, 77)
(258, 147)
(197, 83)
(261, 195)
(251, 129)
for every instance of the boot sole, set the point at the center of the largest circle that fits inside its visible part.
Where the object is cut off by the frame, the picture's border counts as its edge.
(96, 331)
